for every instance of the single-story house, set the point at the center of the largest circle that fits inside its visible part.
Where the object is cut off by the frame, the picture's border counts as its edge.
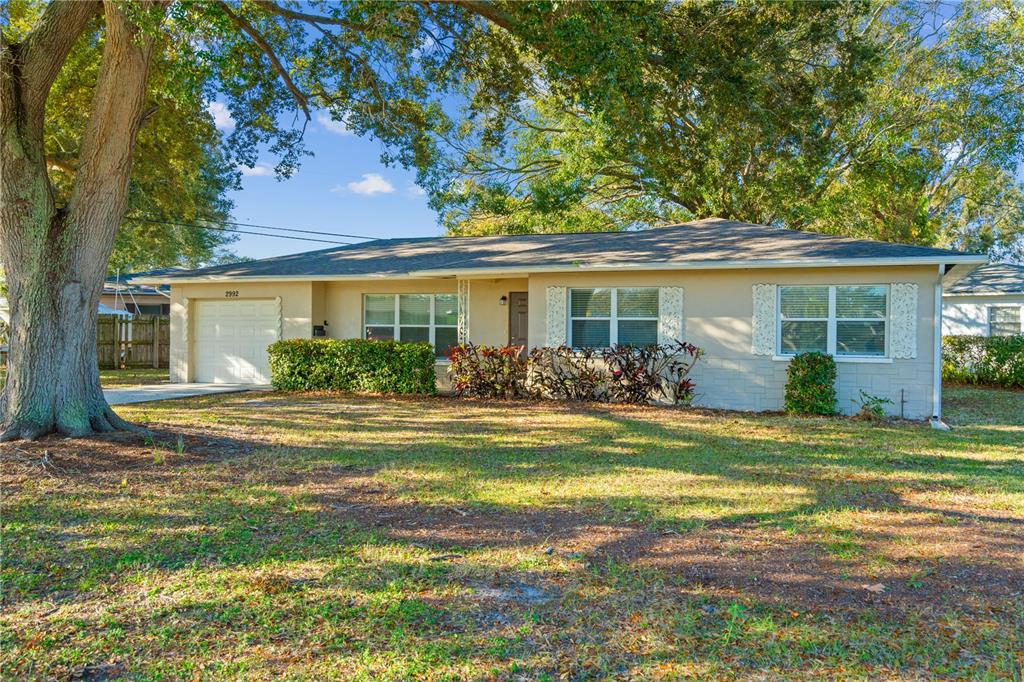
(750, 295)
(989, 301)
(121, 293)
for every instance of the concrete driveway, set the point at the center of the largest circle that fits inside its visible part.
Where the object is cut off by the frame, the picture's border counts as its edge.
(142, 394)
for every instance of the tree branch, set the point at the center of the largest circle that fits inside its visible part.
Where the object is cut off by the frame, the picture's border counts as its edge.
(487, 10)
(45, 49)
(274, 8)
(268, 50)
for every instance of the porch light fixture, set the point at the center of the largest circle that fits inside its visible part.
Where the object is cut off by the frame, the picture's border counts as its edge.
(503, 300)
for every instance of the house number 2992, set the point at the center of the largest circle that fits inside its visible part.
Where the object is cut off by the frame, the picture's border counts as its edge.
(231, 294)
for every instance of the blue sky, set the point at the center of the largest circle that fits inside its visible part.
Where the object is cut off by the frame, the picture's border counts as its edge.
(343, 187)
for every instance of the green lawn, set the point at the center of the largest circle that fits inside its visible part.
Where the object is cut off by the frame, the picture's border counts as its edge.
(276, 536)
(110, 378)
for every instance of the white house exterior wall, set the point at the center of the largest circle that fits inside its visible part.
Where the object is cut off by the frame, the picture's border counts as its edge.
(718, 312)
(968, 315)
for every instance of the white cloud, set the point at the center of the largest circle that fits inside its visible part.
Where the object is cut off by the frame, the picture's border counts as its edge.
(371, 184)
(415, 191)
(260, 169)
(221, 116)
(332, 126)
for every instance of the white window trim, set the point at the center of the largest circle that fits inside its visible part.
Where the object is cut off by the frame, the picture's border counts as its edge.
(831, 323)
(613, 334)
(396, 328)
(1020, 315)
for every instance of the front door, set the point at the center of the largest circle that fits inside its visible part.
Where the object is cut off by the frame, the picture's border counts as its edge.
(518, 318)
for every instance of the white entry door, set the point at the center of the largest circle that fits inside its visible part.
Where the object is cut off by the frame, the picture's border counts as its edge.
(232, 339)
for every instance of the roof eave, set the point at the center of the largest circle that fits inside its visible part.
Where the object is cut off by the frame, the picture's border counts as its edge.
(581, 267)
(711, 265)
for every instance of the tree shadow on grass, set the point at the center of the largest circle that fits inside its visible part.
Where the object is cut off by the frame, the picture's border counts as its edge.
(246, 502)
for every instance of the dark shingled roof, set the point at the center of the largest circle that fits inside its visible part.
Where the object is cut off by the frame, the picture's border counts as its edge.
(704, 241)
(994, 278)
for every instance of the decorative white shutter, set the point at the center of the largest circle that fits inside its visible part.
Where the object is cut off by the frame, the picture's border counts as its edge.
(557, 317)
(762, 341)
(903, 320)
(670, 314)
(463, 317)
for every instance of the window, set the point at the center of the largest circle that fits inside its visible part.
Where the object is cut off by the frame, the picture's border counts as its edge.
(599, 318)
(1004, 320)
(432, 318)
(842, 320)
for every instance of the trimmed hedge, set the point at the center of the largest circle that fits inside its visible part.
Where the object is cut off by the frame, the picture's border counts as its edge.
(811, 384)
(994, 360)
(360, 365)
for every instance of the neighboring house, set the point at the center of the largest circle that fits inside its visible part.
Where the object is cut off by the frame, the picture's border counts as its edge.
(751, 296)
(119, 293)
(987, 302)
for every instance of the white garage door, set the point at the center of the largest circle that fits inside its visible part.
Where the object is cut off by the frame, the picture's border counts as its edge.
(232, 339)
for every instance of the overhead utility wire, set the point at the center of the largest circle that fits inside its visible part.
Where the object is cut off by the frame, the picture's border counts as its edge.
(263, 227)
(235, 231)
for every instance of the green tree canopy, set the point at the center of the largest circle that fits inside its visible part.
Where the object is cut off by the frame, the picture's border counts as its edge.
(902, 122)
(180, 173)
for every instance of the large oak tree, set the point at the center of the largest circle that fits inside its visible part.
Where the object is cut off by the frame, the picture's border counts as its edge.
(384, 69)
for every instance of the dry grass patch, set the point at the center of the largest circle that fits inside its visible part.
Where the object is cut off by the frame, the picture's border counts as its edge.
(346, 537)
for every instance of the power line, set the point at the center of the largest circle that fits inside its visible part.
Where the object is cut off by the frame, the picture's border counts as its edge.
(261, 227)
(236, 231)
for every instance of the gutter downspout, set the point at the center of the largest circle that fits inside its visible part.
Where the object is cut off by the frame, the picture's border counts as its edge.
(936, 420)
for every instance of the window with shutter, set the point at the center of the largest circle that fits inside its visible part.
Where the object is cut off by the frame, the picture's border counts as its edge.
(842, 320)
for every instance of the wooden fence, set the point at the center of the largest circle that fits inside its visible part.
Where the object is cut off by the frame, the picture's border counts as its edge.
(142, 341)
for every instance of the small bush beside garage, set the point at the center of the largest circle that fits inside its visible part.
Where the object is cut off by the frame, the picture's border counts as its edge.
(992, 360)
(352, 365)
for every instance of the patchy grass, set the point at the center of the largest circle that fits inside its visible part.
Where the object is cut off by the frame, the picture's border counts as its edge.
(977, 405)
(111, 378)
(321, 536)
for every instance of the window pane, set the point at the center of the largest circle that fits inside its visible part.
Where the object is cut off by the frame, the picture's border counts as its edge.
(446, 309)
(860, 301)
(804, 302)
(414, 309)
(1004, 321)
(1005, 314)
(444, 338)
(414, 334)
(591, 333)
(638, 302)
(1004, 329)
(860, 338)
(801, 337)
(591, 303)
(379, 308)
(638, 332)
(380, 333)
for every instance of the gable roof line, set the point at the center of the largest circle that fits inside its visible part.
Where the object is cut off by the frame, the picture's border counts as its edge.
(711, 243)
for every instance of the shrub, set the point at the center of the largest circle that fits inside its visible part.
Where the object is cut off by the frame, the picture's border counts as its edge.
(811, 384)
(352, 365)
(487, 371)
(640, 374)
(628, 374)
(563, 373)
(872, 407)
(995, 360)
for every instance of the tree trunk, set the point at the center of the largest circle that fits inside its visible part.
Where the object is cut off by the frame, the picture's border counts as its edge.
(55, 258)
